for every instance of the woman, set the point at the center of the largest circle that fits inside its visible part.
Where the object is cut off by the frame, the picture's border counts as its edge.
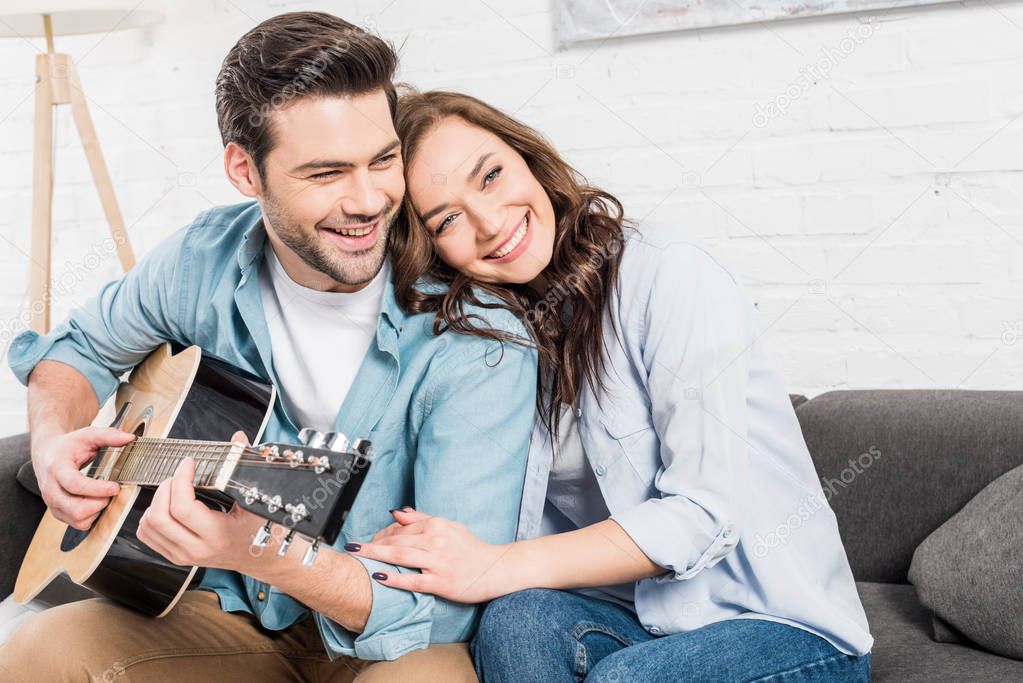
(657, 539)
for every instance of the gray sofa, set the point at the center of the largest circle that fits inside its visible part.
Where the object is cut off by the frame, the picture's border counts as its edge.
(895, 466)
(933, 452)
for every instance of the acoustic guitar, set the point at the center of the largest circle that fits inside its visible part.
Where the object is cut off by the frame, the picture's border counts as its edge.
(181, 405)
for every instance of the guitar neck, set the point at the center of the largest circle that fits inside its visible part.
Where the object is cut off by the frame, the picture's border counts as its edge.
(150, 461)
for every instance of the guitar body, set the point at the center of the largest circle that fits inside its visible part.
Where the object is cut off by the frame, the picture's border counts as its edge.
(181, 396)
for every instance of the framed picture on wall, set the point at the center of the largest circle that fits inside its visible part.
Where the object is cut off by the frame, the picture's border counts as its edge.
(580, 20)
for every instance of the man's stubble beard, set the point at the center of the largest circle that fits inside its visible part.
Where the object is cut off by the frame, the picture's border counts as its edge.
(346, 268)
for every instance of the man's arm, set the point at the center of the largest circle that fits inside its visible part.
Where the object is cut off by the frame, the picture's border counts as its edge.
(336, 586)
(72, 370)
(60, 400)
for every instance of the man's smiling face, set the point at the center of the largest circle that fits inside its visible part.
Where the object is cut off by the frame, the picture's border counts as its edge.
(332, 185)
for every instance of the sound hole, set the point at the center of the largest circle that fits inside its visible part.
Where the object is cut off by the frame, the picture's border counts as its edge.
(72, 538)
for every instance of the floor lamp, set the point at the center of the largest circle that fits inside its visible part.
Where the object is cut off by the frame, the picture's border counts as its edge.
(57, 84)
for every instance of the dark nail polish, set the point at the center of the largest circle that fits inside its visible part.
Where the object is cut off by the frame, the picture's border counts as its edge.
(353, 547)
(392, 511)
(379, 576)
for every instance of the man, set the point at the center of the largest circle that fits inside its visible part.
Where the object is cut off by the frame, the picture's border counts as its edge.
(296, 288)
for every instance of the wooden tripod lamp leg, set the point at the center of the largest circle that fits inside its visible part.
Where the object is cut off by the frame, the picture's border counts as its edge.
(42, 200)
(100, 175)
(57, 83)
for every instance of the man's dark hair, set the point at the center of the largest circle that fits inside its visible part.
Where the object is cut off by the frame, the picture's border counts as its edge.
(291, 56)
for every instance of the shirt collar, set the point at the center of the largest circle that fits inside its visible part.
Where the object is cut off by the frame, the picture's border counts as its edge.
(252, 241)
(389, 307)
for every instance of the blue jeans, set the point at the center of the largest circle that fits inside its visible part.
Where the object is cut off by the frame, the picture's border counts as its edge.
(546, 635)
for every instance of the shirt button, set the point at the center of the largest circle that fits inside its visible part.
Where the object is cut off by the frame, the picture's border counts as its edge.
(601, 470)
(655, 631)
(260, 596)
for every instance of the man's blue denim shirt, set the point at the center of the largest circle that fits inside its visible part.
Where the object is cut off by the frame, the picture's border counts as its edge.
(449, 415)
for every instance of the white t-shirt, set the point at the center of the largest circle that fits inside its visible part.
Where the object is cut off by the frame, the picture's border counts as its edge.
(573, 490)
(572, 486)
(318, 338)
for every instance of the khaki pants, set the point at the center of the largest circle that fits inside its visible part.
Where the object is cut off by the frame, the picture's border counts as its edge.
(99, 641)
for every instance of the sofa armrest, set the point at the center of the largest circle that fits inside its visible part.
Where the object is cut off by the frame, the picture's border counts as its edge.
(20, 510)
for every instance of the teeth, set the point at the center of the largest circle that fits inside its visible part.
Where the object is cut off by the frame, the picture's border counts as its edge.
(360, 232)
(513, 242)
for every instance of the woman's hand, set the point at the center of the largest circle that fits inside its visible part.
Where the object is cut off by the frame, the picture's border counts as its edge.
(455, 565)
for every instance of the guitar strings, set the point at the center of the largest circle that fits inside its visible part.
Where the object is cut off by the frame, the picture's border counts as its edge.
(254, 456)
(156, 456)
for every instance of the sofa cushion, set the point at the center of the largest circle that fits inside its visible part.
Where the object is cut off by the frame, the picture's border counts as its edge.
(27, 478)
(903, 648)
(19, 509)
(970, 570)
(933, 452)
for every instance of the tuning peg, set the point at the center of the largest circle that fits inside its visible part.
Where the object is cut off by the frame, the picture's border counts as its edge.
(310, 554)
(310, 437)
(363, 447)
(262, 536)
(297, 512)
(335, 441)
(282, 551)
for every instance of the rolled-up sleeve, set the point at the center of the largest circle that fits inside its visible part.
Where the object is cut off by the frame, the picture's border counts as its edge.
(469, 467)
(399, 621)
(117, 328)
(698, 329)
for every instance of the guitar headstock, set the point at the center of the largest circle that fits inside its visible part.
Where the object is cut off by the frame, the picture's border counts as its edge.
(307, 489)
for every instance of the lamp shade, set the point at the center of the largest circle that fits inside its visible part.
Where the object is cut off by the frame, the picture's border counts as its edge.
(72, 17)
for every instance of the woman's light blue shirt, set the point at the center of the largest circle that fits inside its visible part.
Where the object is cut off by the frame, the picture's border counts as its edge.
(698, 455)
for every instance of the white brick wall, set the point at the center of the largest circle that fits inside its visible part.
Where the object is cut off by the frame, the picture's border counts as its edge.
(877, 222)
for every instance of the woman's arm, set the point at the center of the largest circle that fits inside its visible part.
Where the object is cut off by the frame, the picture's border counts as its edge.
(700, 328)
(458, 566)
(601, 554)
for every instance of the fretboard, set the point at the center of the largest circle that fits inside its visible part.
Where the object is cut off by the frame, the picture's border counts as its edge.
(150, 461)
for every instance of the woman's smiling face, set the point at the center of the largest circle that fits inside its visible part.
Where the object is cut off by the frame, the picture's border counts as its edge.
(486, 213)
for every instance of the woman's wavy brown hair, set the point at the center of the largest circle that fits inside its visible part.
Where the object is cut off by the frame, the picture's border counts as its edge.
(565, 318)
